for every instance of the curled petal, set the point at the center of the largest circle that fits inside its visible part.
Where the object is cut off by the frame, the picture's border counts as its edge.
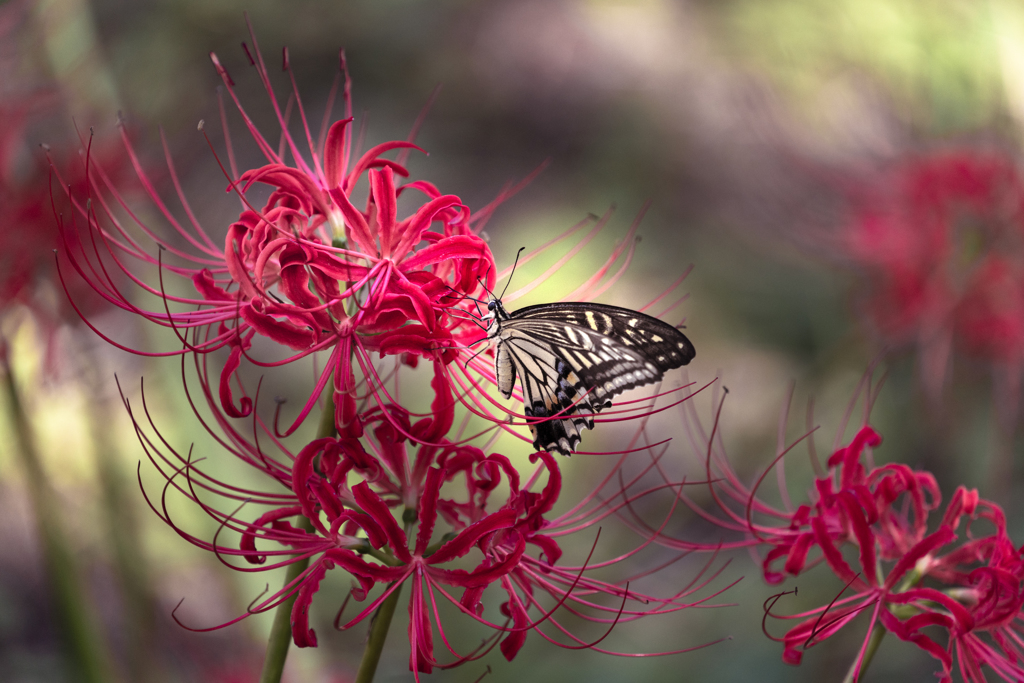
(464, 542)
(274, 517)
(227, 399)
(302, 634)
(375, 507)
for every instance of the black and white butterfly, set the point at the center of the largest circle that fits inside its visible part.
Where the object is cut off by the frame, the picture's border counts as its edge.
(572, 358)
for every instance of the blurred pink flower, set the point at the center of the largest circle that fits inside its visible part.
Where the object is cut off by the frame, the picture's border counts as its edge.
(29, 238)
(940, 242)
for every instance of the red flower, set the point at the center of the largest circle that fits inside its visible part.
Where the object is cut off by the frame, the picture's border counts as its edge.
(308, 269)
(940, 241)
(909, 576)
(27, 233)
(408, 503)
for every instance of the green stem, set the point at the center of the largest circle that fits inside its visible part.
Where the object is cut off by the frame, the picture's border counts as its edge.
(281, 630)
(85, 648)
(378, 634)
(121, 519)
(877, 633)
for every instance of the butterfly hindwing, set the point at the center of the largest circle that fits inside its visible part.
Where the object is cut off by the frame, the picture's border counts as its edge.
(572, 358)
(549, 388)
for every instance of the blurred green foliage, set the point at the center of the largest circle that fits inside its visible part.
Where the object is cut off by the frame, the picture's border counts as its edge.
(938, 61)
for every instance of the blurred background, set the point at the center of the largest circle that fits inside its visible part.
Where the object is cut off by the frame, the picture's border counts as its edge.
(764, 134)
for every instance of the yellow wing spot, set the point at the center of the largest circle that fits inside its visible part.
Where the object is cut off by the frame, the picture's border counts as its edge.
(633, 322)
(656, 338)
(591, 321)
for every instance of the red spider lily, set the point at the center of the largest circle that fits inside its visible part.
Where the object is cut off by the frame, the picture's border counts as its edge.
(311, 271)
(29, 240)
(907, 577)
(308, 269)
(941, 244)
(27, 230)
(377, 505)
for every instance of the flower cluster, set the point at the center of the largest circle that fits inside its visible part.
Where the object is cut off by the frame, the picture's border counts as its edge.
(388, 495)
(406, 504)
(307, 270)
(914, 567)
(941, 245)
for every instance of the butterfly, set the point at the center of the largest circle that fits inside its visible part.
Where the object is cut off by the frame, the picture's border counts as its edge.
(572, 358)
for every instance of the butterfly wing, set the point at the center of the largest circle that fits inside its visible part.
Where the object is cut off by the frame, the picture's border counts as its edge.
(549, 386)
(572, 358)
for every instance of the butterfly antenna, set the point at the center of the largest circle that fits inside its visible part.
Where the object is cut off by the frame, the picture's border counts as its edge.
(488, 272)
(512, 273)
(485, 287)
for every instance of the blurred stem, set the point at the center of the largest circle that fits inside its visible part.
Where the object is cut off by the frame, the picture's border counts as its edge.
(130, 562)
(86, 650)
(378, 634)
(281, 631)
(119, 515)
(877, 633)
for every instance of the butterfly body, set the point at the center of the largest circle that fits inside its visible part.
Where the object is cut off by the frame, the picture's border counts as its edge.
(572, 358)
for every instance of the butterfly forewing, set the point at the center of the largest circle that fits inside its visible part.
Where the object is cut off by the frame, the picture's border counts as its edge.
(572, 358)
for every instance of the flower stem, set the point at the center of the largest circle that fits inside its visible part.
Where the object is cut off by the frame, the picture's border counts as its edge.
(877, 633)
(281, 630)
(378, 634)
(119, 513)
(86, 650)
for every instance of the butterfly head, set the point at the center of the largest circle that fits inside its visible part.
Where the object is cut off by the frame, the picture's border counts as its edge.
(495, 311)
